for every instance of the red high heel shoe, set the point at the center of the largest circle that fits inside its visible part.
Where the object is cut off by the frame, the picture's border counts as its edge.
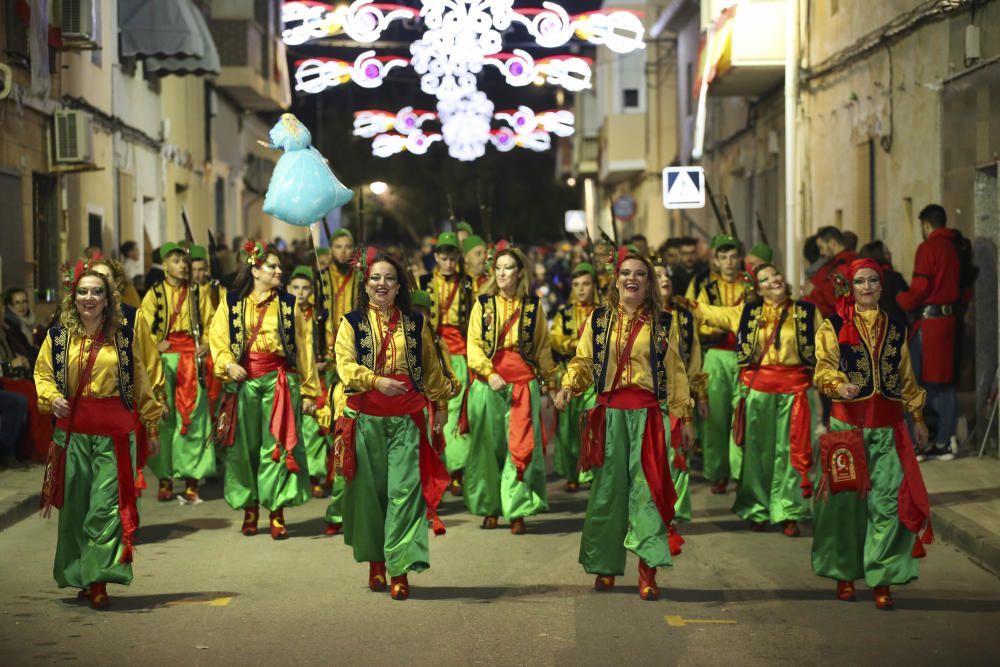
(883, 599)
(675, 540)
(791, 529)
(250, 515)
(333, 529)
(99, 598)
(490, 523)
(604, 582)
(517, 527)
(317, 488)
(648, 590)
(166, 491)
(400, 588)
(455, 486)
(190, 495)
(278, 530)
(845, 591)
(376, 575)
(719, 487)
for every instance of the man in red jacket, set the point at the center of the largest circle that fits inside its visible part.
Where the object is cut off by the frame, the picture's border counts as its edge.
(933, 296)
(832, 244)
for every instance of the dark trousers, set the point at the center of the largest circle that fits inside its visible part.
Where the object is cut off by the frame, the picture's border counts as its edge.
(941, 398)
(13, 420)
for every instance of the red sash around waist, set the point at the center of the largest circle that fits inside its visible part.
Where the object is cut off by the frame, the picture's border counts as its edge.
(107, 417)
(453, 338)
(186, 387)
(628, 398)
(434, 477)
(282, 424)
(777, 379)
(873, 412)
(511, 366)
(728, 342)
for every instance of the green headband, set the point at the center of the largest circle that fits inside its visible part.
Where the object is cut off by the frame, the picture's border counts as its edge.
(471, 243)
(722, 240)
(463, 227)
(342, 232)
(763, 251)
(421, 299)
(302, 271)
(447, 240)
(585, 267)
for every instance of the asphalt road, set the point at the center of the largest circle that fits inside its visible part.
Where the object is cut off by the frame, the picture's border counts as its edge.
(205, 595)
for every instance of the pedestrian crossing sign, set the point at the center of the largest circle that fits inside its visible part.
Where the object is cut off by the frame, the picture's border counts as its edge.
(684, 187)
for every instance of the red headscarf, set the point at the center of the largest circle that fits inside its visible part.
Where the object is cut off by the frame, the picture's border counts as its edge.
(845, 304)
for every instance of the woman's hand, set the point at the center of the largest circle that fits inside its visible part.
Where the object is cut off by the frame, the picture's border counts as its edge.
(390, 387)
(496, 382)
(154, 446)
(703, 411)
(687, 436)
(309, 407)
(563, 397)
(20, 361)
(848, 390)
(60, 407)
(163, 345)
(921, 434)
(236, 372)
(440, 419)
(202, 351)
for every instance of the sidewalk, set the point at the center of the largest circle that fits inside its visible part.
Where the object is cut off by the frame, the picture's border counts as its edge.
(20, 493)
(965, 503)
(965, 506)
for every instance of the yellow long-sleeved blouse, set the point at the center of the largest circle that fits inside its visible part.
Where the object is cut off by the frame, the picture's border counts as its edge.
(360, 378)
(730, 293)
(561, 342)
(482, 364)
(150, 356)
(639, 373)
(182, 323)
(783, 352)
(341, 293)
(268, 340)
(440, 288)
(697, 378)
(828, 375)
(328, 338)
(103, 379)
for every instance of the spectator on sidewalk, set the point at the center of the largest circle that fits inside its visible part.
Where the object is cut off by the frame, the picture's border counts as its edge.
(155, 274)
(934, 294)
(833, 247)
(129, 257)
(20, 328)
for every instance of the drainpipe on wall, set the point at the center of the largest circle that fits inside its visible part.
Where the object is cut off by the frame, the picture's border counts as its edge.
(791, 139)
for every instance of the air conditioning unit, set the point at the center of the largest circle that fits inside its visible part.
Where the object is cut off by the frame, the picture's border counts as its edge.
(73, 137)
(79, 24)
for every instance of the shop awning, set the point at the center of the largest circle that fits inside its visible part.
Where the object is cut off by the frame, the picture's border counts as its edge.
(171, 36)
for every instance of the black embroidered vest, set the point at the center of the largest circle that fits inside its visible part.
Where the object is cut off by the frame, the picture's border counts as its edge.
(658, 343)
(286, 325)
(570, 327)
(412, 325)
(123, 348)
(525, 326)
(856, 360)
(463, 296)
(686, 327)
(801, 312)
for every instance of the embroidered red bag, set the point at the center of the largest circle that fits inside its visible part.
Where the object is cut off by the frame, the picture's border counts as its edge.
(844, 463)
(224, 433)
(344, 454)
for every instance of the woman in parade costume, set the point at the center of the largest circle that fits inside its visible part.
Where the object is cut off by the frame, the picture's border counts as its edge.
(690, 351)
(631, 347)
(388, 363)
(90, 376)
(262, 347)
(775, 350)
(147, 351)
(863, 364)
(508, 353)
(567, 327)
(317, 442)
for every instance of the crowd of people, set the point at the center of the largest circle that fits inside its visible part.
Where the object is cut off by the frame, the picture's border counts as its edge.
(379, 381)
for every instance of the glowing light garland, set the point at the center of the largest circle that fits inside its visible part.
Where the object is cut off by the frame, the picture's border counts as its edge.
(460, 38)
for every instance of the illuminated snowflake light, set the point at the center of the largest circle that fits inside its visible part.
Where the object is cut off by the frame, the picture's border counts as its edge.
(370, 122)
(363, 21)
(314, 75)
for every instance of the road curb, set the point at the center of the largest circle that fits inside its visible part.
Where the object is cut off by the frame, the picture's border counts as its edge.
(980, 545)
(19, 511)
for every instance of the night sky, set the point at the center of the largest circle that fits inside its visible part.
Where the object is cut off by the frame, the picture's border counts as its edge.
(519, 187)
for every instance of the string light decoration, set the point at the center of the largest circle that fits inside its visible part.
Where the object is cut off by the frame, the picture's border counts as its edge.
(459, 39)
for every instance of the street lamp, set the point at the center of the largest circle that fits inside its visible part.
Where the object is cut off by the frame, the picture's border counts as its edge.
(378, 188)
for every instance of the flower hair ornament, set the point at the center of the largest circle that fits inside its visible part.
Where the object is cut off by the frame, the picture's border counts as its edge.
(495, 249)
(362, 260)
(255, 252)
(617, 260)
(71, 274)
